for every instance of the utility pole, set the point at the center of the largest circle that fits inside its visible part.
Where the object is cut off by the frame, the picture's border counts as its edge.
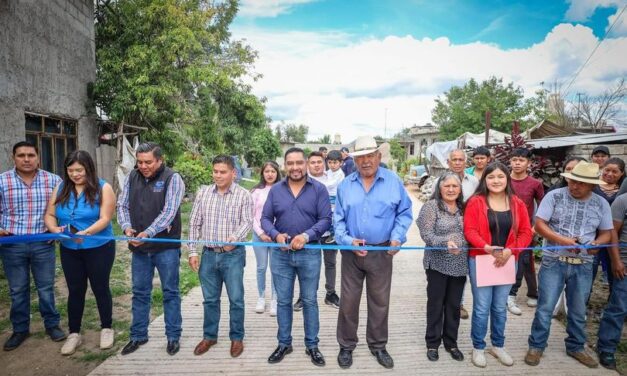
(579, 110)
(488, 117)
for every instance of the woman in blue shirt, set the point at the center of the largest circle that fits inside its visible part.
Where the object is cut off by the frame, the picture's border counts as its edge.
(84, 205)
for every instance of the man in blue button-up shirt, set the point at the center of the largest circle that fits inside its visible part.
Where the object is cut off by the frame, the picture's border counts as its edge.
(372, 208)
(297, 212)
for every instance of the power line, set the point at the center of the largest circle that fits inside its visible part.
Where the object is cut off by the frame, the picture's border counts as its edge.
(594, 50)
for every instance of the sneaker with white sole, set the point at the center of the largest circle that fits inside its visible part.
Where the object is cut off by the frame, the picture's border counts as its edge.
(512, 306)
(532, 302)
(71, 343)
(107, 336)
(502, 355)
(273, 307)
(261, 305)
(478, 358)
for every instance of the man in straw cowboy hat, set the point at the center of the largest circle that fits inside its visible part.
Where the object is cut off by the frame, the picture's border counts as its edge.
(570, 217)
(371, 208)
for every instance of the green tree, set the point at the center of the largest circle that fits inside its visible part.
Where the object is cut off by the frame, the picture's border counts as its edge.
(264, 147)
(326, 139)
(171, 66)
(397, 151)
(292, 132)
(462, 109)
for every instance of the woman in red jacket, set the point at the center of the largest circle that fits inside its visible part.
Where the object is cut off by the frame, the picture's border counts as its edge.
(495, 223)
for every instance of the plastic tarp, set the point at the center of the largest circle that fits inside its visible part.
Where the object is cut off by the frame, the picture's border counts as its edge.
(128, 161)
(440, 150)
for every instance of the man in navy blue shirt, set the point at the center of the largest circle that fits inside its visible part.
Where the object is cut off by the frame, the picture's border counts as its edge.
(297, 212)
(348, 164)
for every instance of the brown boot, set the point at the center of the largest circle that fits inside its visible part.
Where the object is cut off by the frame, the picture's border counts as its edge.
(237, 347)
(463, 314)
(204, 346)
(533, 357)
(584, 358)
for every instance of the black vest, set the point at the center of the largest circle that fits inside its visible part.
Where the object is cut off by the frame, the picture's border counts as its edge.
(146, 200)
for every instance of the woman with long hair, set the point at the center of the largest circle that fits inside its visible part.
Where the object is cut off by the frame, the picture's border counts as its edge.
(269, 175)
(83, 204)
(496, 225)
(441, 225)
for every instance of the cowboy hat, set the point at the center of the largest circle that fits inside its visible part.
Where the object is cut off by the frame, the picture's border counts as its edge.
(364, 145)
(584, 172)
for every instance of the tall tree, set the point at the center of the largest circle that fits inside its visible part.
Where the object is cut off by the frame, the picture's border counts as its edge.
(292, 132)
(326, 139)
(462, 109)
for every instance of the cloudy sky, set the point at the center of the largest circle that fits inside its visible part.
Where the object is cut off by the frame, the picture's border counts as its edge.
(354, 66)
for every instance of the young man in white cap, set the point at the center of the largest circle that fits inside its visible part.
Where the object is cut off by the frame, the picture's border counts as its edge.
(570, 217)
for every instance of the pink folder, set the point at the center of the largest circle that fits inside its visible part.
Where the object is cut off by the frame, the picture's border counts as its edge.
(490, 275)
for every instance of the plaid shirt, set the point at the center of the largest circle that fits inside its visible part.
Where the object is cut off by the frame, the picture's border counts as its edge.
(22, 207)
(217, 217)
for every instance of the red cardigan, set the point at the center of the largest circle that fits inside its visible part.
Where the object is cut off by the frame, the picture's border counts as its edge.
(477, 228)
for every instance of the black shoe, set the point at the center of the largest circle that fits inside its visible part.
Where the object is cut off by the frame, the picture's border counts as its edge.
(173, 347)
(316, 356)
(15, 340)
(279, 354)
(607, 360)
(131, 346)
(383, 357)
(456, 354)
(332, 299)
(56, 334)
(432, 355)
(298, 306)
(345, 358)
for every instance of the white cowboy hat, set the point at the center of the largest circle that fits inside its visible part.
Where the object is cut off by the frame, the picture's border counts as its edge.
(364, 145)
(584, 172)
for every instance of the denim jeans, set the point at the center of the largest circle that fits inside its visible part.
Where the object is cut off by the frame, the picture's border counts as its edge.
(19, 261)
(263, 257)
(143, 269)
(216, 269)
(611, 326)
(554, 275)
(286, 266)
(487, 302)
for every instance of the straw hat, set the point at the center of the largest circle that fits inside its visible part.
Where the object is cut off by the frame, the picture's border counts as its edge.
(364, 145)
(584, 172)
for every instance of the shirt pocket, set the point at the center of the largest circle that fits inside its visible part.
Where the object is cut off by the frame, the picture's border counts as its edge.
(382, 209)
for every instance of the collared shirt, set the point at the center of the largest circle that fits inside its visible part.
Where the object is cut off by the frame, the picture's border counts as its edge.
(22, 206)
(469, 186)
(218, 216)
(308, 212)
(379, 215)
(174, 196)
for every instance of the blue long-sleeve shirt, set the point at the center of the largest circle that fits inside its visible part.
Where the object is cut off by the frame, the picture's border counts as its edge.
(380, 215)
(308, 212)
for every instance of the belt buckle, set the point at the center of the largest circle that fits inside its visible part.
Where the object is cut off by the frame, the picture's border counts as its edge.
(218, 249)
(571, 260)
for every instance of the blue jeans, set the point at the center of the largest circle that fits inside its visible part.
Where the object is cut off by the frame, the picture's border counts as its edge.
(19, 260)
(613, 318)
(487, 302)
(554, 275)
(143, 270)
(263, 257)
(215, 269)
(286, 266)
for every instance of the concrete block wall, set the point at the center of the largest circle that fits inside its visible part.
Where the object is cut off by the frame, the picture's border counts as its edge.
(47, 59)
(585, 151)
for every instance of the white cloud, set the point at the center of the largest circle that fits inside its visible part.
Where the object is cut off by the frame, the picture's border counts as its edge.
(336, 84)
(582, 10)
(267, 8)
(620, 28)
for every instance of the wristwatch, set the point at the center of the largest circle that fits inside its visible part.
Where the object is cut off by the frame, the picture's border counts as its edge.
(306, 236)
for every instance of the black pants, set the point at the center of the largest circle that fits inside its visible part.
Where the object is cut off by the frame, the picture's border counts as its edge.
(330, 260)
(444, 296)
(93, 264)
(527, 269)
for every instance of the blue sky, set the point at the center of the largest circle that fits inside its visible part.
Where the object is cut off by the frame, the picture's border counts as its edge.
(368, 57)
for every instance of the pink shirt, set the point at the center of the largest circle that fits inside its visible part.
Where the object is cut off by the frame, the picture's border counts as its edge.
(259, 196)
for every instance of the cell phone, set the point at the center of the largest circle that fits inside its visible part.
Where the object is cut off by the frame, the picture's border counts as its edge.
(73, 229)
(497, 248)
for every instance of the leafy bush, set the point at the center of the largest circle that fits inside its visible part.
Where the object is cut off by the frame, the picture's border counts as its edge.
(405, 165)
(194, 170)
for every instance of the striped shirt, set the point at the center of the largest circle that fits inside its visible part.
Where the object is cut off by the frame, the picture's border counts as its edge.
(174, 196)
(22, 207)
(217, 217)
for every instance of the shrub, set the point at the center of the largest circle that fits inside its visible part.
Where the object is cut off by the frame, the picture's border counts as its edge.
(194, 170)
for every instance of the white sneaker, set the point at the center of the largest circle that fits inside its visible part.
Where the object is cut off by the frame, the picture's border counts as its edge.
(273, 307)
(261, 305)
(71, 343)
(478, 358)
(512, 306)
(532, 302)
(503, 357)
(107, 336)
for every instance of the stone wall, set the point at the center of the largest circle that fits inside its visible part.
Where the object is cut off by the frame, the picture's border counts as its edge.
(585, 151)
(47, 59)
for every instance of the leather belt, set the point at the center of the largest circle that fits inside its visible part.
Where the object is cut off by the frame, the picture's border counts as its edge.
(571, 260)
(384, 244)
(215, 249)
